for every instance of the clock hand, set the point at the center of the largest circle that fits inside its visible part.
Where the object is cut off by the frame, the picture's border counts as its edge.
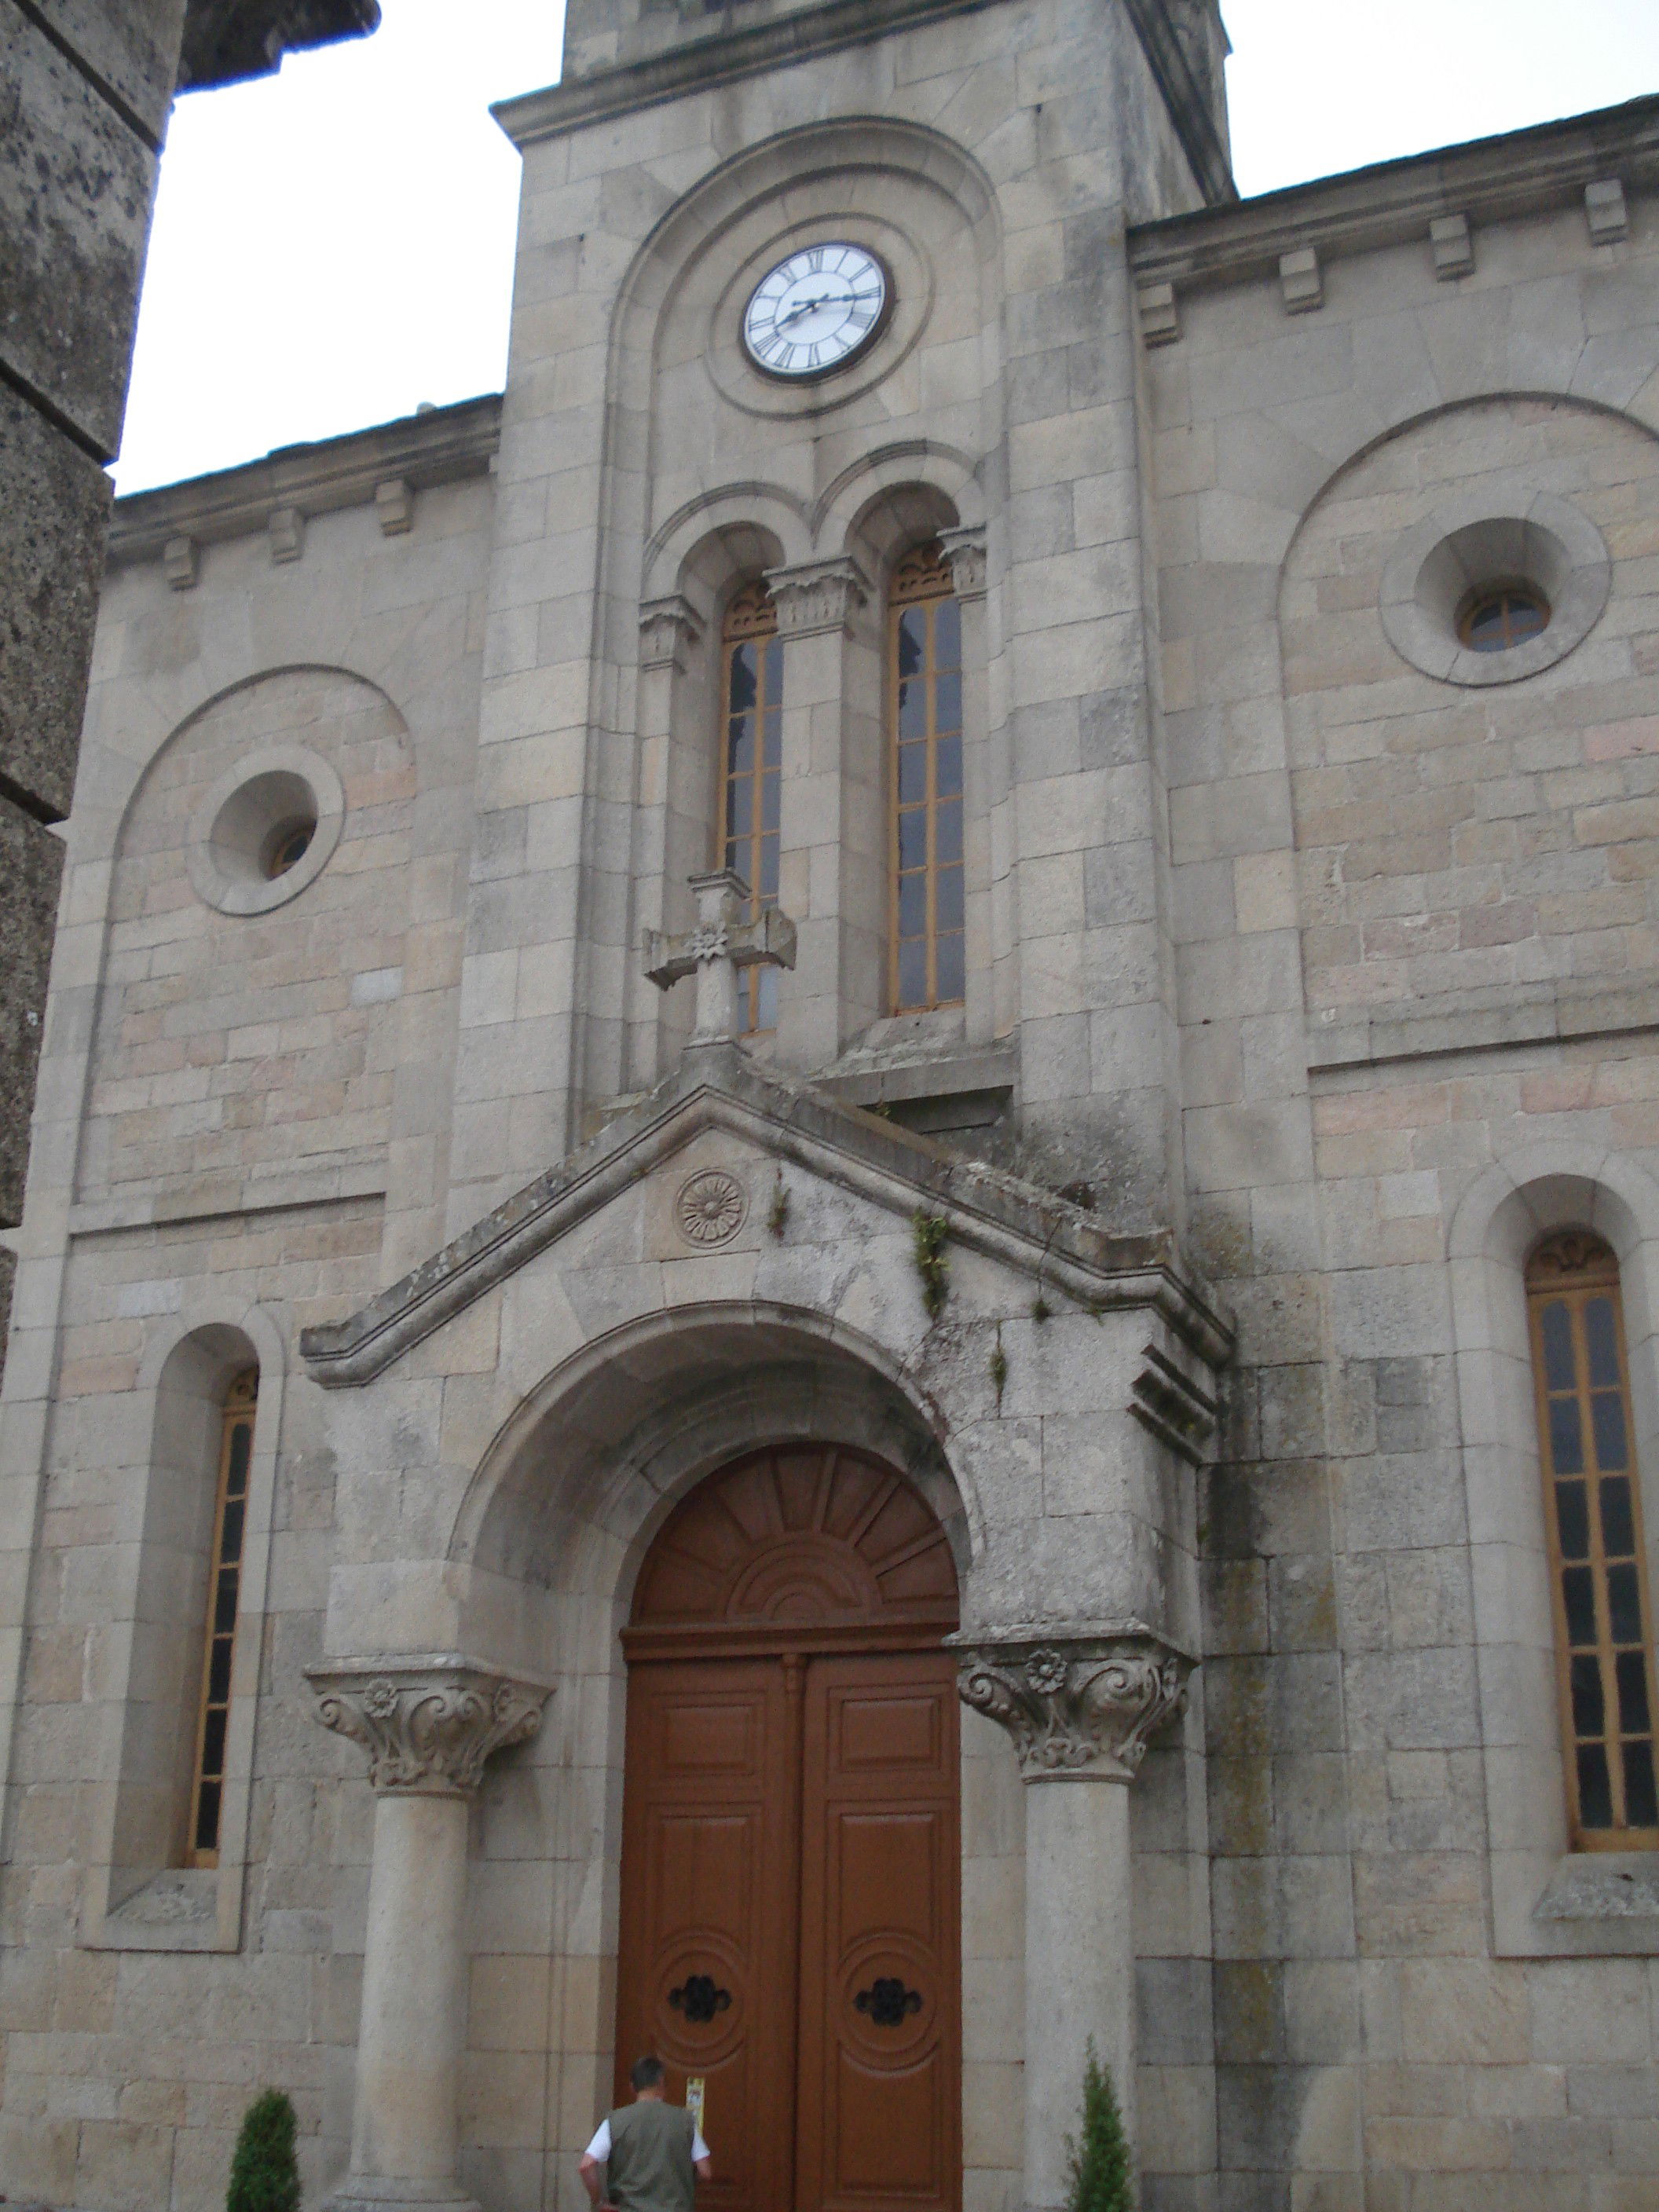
(809, 306)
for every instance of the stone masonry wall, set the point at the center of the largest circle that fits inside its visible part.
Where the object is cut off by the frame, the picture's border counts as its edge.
(223, 1037)
(1374, 864)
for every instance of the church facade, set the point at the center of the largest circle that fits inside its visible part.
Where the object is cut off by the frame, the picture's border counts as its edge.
(843, 1244)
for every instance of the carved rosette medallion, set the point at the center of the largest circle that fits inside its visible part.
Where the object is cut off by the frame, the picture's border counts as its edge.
(1079, 1710)
(427, 1725)
(709, 1208)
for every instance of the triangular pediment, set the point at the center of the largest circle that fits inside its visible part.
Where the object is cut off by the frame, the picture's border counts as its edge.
(720, 1088)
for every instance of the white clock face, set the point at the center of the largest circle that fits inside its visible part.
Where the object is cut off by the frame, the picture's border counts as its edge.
(816, 310)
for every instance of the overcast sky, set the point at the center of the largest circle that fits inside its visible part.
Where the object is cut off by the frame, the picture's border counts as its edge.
(335, 245)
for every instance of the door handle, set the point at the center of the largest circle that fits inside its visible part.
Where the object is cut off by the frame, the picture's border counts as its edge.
(699, 1999)
(887, 2000)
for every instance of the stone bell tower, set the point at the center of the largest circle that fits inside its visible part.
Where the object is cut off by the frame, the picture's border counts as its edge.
(989, 159)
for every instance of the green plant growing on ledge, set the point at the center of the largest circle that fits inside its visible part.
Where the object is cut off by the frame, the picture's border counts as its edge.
(998, 1370)
(778, 1212)
(927, 1234)
(264, 2172)
(1102, 2179)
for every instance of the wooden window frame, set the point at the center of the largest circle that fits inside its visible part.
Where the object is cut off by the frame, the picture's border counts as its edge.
(1570, 1269)
(225, 1563)
(751, 618)
(922, 579)
(1507, 595)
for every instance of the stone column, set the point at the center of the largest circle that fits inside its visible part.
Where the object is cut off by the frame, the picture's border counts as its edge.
(1080, 1710)
(831, 874)
(427, 1724)
(670, 832)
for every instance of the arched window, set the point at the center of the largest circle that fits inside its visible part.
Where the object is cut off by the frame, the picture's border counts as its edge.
(927, 968)
(1592, 1510)
(224, 1587)
(752, 688)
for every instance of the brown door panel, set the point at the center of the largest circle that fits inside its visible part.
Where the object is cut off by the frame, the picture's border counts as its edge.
(880, 2067)
(708, 1890)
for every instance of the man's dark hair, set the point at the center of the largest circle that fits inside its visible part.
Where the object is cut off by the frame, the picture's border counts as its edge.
(648, 2073)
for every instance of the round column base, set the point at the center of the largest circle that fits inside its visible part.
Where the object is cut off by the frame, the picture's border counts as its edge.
(377, 2193)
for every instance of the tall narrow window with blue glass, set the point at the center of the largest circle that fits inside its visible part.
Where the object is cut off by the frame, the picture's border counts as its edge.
(1593, 1514)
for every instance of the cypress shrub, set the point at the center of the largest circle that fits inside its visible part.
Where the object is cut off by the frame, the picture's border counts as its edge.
(1102, 2179)
(264, 2173)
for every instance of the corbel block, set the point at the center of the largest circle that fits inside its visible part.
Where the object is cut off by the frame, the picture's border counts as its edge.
(1158, 307)
(1454, 246)
(1301, 281)
(287, 526)
(181, 563)
(394, 507)
(1607, 212)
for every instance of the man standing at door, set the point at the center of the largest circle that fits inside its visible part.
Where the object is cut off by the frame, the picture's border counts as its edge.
(650, 2152)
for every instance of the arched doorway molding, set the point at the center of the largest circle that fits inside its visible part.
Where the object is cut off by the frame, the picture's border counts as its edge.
(567, 1499)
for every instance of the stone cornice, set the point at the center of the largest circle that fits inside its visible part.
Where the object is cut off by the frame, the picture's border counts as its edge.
(442, 445)
(1080, 1706)
(702, 64)
(1394, 202)
(721, 1087)
(428, 1720)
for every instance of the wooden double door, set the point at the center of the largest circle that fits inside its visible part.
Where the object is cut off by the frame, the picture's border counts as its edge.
(790, 1912)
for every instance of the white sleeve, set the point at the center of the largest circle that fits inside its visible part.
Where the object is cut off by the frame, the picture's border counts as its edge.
(599, 2150)
(699, 2147)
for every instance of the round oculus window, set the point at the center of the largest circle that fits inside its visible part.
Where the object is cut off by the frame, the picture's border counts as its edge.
(1497, 617)
(265, 829)
(817, 311)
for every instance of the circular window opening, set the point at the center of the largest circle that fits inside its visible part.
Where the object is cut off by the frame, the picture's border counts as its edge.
(1497, 617)
(287, 845)
(264, 828)
(1472, 597)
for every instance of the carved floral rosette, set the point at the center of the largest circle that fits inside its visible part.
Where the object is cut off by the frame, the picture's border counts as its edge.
(427, 1725)
(1079, 1708)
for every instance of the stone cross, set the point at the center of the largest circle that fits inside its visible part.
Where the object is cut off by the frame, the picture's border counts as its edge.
(724, 940)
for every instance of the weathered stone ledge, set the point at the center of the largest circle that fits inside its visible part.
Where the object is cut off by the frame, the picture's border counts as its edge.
(1394, 202)
(719, 1086)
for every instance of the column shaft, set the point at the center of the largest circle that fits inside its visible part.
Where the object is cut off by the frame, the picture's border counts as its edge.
(413, 2022)
(1079, 1965)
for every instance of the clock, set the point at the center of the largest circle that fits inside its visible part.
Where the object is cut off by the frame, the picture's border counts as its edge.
(816, 310)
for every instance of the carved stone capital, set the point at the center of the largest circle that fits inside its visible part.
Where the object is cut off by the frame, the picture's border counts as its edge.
(964, 556)
(819, 595)
(669, 629)
(427, 1722)
(1078, 1709)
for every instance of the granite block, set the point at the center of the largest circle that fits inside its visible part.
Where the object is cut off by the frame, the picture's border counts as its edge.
(56, 504)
